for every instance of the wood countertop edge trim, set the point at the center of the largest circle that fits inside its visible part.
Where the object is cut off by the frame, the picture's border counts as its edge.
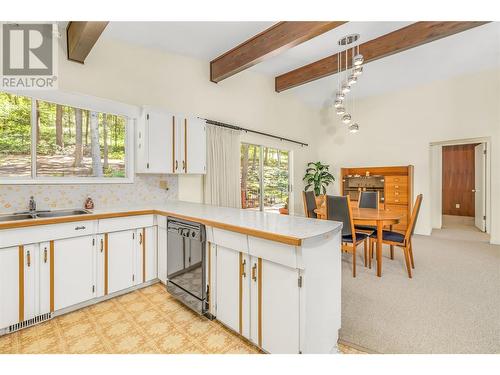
(288, 240)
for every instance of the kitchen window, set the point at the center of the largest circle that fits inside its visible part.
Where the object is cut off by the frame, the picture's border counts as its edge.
(265, 178)
(47, 141)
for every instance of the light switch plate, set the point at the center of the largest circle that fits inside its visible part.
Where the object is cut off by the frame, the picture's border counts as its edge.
(457, 205)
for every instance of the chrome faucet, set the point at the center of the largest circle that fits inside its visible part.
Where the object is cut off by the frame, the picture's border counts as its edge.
(32, 204)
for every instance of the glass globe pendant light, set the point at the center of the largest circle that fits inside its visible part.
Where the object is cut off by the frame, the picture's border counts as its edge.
(338, 103)
(345, 88)
(357, 71)
(340, 110)
(340, 96)
(352, 80)
(346, 118)
(358, 59)
(354, 128)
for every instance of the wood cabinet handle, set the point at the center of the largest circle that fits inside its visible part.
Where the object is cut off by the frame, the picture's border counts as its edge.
(242, 268)
(254, 272)
(45, 255)
(176, 165)
(183, 165)
(28, 258)
(102, 244)
(140, 238)
(80, 228)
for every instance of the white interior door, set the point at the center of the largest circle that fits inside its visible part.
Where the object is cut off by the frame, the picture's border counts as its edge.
(480, 185)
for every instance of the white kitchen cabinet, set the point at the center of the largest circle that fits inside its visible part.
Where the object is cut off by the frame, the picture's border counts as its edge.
(24, 284)
(150, 258)
(191, 150)
(9, 286)
(145, 268)
(99, 266)
(120, 260)
(233, 289)
(170, 143)
(74, 271)
(155, 142)
(162, 254)
(275, 306)
(44, 261)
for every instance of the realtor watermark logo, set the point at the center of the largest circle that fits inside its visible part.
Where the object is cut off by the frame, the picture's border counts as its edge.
(29, 56)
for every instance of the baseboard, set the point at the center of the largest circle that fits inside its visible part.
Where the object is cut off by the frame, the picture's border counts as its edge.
(357, 347)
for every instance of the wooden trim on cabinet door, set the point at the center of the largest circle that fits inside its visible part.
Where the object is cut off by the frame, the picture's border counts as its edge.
(259, 286)
(143, 255)
(173, 144)
(185, 147)
(240, 300)
(105, 263)
(21, 283)
(52, 303)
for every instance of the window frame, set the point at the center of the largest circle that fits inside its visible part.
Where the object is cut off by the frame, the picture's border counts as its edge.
(261, 146)
(84, 102)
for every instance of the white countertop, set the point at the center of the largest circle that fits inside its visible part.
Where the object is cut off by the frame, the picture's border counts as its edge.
(281, 225)
(282, 228)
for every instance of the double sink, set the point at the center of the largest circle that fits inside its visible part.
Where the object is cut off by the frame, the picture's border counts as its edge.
(27, 215)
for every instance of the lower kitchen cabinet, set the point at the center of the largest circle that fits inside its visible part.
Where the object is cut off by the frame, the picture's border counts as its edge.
(233, 289)
(73, 261)
(162, 254)
(259, 299)
(131, 258)
(277, 290)
(120, 260)
(24, 284)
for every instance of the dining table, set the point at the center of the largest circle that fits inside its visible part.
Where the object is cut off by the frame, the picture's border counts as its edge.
(368, 217)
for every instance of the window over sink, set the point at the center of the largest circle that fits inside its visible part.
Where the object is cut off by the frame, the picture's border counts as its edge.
(53, 141)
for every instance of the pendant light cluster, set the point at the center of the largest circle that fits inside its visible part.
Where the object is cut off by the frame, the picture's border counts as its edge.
(347, 79)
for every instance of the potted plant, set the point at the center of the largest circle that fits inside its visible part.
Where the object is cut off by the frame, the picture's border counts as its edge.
(318, 177)
(284, 210)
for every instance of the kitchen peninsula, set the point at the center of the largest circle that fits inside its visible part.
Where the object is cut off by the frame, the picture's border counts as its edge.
(274, 279)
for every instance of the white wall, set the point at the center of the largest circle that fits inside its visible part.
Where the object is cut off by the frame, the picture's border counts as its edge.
(397, 129)
(137, 75)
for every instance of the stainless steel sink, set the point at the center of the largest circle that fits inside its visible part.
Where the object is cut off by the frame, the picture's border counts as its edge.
(42, 214)
(61, 213)
(16, 217)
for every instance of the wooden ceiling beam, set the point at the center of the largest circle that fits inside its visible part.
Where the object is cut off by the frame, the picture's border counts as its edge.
(274, 40)
(397, 41)
(81, 37)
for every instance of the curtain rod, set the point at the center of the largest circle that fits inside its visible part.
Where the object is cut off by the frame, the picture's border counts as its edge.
(217, 123)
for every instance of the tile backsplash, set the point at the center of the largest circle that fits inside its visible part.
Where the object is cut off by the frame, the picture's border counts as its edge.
(145, 189)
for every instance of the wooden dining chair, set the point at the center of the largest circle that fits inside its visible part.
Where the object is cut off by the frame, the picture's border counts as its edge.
(400, 240)
(309, 200)
(368, 199)
(339, 209)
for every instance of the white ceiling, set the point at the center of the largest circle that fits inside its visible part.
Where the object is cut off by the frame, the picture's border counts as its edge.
(202, 40)
(469, 51)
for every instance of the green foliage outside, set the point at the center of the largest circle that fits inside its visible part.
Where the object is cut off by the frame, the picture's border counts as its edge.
(56, 156)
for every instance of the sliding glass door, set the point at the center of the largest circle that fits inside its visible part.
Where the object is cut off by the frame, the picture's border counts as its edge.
(265, 178)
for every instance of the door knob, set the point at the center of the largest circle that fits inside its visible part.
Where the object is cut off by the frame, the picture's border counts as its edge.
(475, 190)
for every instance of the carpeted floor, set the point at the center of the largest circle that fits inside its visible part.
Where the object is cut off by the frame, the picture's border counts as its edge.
(452, 304)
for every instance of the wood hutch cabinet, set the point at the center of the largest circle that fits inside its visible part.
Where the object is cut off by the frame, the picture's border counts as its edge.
(395, 185)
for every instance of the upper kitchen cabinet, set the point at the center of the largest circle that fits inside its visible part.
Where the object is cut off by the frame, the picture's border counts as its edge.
(155, 142)
(191, 155)
(170, 144)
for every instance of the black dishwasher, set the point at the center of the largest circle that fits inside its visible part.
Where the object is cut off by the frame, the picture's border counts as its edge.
(186, 264)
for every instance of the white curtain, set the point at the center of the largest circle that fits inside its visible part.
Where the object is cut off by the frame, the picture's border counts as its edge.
(222, 181)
